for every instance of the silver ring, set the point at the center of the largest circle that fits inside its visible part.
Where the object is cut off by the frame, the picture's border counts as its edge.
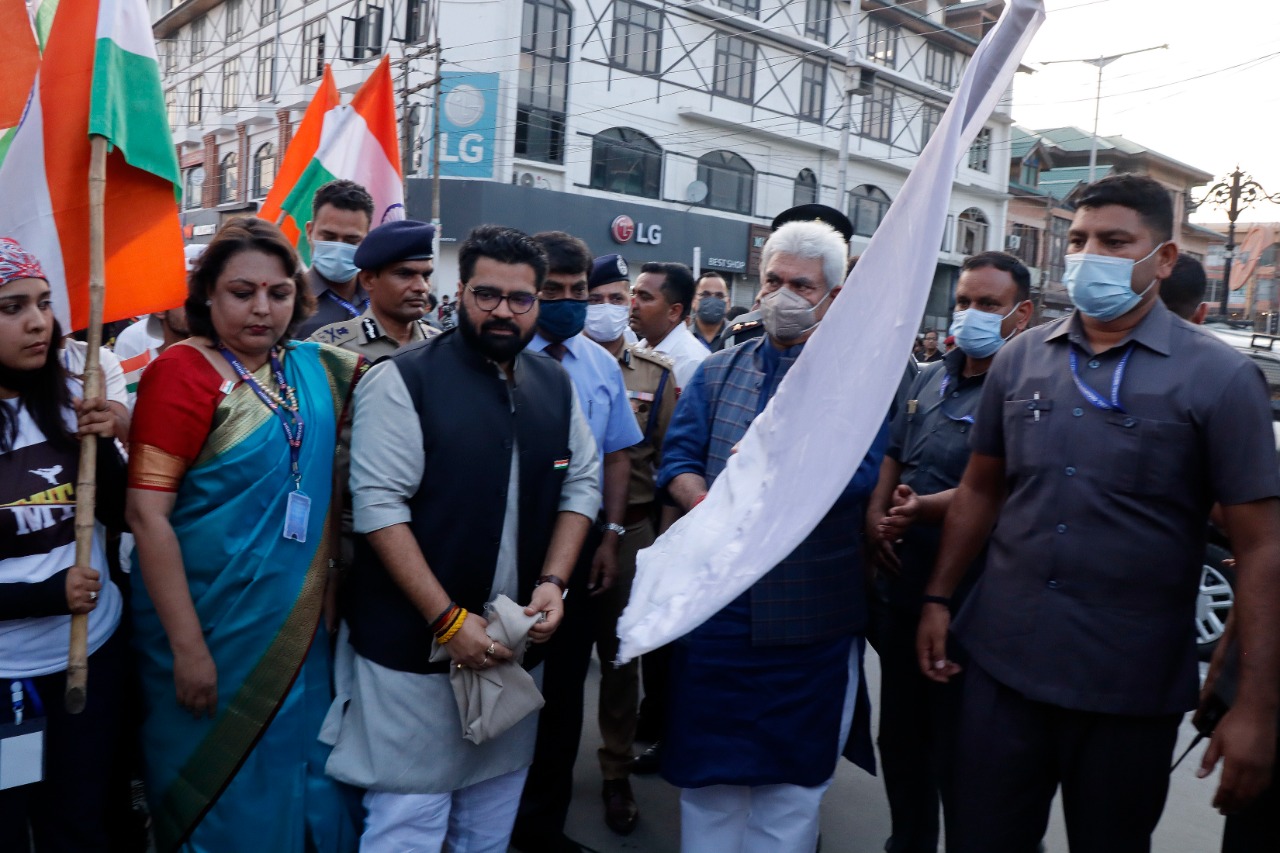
(493, 647)
(93, 595)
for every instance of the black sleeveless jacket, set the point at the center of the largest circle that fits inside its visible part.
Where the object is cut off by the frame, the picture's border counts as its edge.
(470, 418)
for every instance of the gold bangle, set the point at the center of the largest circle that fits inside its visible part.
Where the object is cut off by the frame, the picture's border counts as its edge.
(453, 629)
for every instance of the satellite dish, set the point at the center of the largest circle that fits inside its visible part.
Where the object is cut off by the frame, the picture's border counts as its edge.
(696, 192)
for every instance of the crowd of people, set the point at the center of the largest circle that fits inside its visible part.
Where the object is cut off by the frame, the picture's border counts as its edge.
(355, 548)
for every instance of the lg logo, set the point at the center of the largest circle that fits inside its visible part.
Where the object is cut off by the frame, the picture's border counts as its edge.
(624, 228)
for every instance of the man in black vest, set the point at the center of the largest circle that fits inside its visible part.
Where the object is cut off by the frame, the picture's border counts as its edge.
(473, 475)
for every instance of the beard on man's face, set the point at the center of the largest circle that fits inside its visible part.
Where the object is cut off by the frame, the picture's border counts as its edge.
(495, 347)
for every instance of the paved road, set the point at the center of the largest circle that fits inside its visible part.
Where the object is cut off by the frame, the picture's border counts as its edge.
(855, 816)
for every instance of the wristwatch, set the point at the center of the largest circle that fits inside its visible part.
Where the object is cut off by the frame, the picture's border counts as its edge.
(552, 579)
(615, 527)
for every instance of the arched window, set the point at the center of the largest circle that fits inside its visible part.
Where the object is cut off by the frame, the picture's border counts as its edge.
(867, 207)
(806, 188)
(264, 169)
(971, 232)
(228, 178)
(624, 160)
(543, 98)
(730, 180)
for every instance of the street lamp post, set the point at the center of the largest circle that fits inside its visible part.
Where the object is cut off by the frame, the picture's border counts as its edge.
(1100, 63)
(1235, 193)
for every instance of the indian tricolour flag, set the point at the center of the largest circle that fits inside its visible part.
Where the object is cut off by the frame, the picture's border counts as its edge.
(358, 142)
(98, 75)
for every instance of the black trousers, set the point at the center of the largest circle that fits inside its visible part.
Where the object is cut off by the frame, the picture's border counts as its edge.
(1012, 754)
(916, 739)
(655, 675)
(549, 786)
(69, 811)
(1257, 828)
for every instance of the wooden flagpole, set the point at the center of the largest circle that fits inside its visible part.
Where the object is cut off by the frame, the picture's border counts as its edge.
(86, 479)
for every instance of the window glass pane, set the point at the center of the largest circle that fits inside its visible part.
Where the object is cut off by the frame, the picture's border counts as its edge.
(544, 81)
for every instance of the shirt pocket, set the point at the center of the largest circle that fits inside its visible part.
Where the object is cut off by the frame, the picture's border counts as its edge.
(1026, 434)
(1148, 457)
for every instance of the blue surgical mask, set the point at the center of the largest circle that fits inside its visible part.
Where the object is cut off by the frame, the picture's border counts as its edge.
(335, 261)
(978, 332)
(1099, 285)
(561, 319)
(606, 323)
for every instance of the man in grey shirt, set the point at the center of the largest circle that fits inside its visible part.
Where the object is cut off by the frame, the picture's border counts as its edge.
(1100, 443)
(473, 475)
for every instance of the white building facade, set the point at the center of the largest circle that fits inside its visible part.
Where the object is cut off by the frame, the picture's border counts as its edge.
(660, 130)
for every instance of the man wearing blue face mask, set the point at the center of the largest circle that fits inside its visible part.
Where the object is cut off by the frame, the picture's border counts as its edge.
(1100, 443)
(602, 396)
(927, 453)
(341, 216)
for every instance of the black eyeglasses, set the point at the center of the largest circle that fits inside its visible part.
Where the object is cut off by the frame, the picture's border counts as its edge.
(487, 299)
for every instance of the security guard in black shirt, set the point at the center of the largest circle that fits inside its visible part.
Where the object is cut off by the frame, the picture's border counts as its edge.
(927, 454)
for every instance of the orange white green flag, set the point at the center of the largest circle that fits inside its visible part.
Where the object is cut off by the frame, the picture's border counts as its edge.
(301, 151)
(359, 142)
(99, 75)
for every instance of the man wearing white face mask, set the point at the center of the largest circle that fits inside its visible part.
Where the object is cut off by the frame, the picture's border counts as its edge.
(1100, 442)
(927, 453)
(341, 216)
(763, 694)
(651, 388)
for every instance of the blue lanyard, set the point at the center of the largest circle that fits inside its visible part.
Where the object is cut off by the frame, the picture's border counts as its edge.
(290, 420)
(1094, 398)
(942, 392)
(350, 309)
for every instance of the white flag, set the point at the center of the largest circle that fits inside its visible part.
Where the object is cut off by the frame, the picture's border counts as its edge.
(801, 452)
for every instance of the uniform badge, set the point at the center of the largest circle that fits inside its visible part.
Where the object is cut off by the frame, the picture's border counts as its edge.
(560, 464)
(371, 332)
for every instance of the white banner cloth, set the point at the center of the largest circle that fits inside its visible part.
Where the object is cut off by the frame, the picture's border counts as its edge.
(801, 452)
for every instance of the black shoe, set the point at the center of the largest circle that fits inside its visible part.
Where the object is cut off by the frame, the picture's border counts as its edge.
(648, 761)
(620, 810)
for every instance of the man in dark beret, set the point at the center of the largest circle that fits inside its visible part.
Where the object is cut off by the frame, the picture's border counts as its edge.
(395, 263)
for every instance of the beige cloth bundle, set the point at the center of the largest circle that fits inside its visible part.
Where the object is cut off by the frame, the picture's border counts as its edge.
(494, 699)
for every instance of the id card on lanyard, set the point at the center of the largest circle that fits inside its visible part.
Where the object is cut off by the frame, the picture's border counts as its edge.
(297, 509)
(21, 741)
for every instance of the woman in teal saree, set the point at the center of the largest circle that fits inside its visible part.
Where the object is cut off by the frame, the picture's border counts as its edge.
(231, 494)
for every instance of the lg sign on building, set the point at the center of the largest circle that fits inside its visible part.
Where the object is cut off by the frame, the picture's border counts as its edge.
(624, 229)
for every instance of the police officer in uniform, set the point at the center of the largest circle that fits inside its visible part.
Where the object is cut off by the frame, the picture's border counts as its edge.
(395, 263)
(651, 387)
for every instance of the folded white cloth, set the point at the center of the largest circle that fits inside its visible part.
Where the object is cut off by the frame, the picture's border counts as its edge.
(494, 699)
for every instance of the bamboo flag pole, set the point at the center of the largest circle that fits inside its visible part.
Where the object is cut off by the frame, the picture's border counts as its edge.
(86, 480)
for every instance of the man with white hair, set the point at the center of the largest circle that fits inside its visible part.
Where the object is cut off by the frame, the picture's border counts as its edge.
(764, 692)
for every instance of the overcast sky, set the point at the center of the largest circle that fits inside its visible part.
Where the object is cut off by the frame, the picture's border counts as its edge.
(1212, 100)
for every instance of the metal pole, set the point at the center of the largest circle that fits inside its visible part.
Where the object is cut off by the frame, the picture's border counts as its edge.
(1100, 63)
(435, 143)
(845, 130)
(1232, 213)
(1093, 143)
